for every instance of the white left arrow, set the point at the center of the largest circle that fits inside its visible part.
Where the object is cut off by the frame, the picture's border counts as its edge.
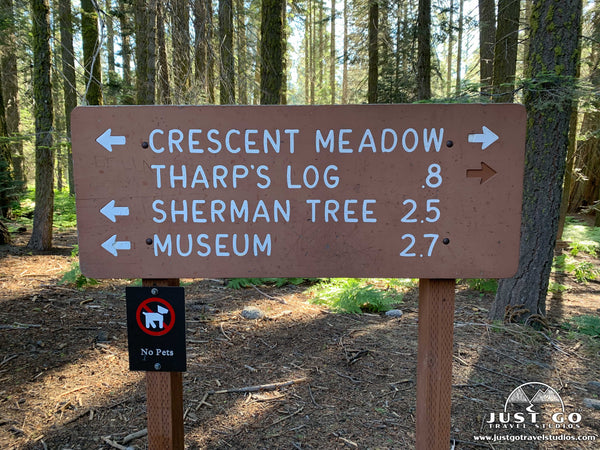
(111, 211)
(106, 140)
(111, 245)
(486, 138)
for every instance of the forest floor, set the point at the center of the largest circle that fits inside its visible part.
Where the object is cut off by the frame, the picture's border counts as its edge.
(65, 381)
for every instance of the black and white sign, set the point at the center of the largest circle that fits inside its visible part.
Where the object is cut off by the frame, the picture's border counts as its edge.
(156, 328)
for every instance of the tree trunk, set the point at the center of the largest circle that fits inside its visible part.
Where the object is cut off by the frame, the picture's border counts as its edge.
(145, 51)
(373, 32)
(6, 177)
(450, 49)
(69, 80)
(91, 53)
(271, 54)
(241, 43)
(459, 43)
(10, 87)
(125, 26)
(505, 52)
(110, 39)
(487, 39)
(332, 59)
(227, 66)
(424, 50)
(41, 236)
(555, 24)
(345, 57)
(164, 88)
(180, 18)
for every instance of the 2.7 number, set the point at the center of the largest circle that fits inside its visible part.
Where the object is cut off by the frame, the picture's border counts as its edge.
(411, 243)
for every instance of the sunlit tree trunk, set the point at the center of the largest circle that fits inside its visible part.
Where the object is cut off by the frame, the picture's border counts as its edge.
(91, 53)
(41, 235)
(554, 24)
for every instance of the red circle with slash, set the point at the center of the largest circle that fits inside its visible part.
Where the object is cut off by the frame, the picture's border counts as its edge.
(152, 317)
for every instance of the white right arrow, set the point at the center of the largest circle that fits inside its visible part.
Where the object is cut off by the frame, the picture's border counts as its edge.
(111, 245)
(486, 138)
(107, 141)
(111, 211)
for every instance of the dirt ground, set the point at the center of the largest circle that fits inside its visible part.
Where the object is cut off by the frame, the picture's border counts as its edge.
(65, 381)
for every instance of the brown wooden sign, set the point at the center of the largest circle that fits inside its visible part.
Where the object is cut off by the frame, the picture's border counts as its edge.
(424, 191)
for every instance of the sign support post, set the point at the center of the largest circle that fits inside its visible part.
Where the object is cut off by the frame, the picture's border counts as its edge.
(434, 362)
(164, 399)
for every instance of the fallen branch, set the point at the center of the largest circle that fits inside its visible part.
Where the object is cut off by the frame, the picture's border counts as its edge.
(258, 387)
(8, 358)
(136, 435)
(113, 443)
(279, 299)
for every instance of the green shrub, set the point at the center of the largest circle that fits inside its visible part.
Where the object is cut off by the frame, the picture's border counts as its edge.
(354, 295)
(239, 283)
(73, 276)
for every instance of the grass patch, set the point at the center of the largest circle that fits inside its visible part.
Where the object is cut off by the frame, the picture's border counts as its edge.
(64, 210)
(583, 238)
(583, 271)
(356, 295)
(586, 324)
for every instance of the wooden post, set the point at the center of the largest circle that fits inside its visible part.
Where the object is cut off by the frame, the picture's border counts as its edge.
(434, 363)
(164, 399)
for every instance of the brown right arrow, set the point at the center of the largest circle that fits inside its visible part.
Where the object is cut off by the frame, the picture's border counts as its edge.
(485, 173)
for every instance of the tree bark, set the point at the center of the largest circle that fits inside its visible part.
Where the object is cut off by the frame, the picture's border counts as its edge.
(6, 177)
(345, 57)
(41, 235)
(91, 53)
(424, 50)
(145, 51)
(227, 66)
(555, 24)
(450, 49)
(164, 87)
(180, 32)
(487, 39)
(373, 32)
(271, 52)
(505, 51)
(69, 80)
(332, 59)
(10, 91)
(459, 43)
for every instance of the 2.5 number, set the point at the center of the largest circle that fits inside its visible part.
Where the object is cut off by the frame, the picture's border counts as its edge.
(432, 211)
(411, 243)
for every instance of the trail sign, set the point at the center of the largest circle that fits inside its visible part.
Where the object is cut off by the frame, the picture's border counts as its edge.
(156, 328)
(427, 190)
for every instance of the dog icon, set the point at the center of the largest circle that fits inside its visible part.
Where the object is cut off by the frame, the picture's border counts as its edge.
(155, 319)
